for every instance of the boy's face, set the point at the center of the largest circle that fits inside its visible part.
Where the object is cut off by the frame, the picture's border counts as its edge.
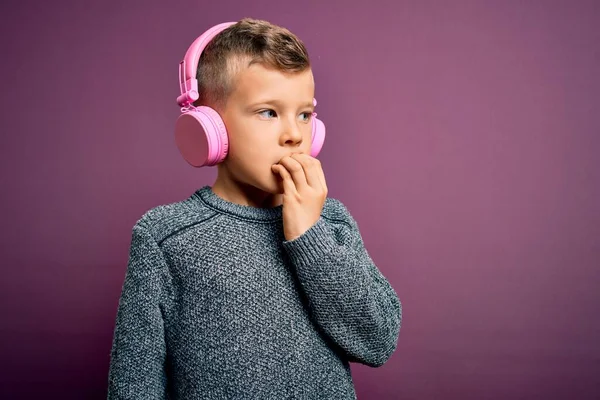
(268, 117)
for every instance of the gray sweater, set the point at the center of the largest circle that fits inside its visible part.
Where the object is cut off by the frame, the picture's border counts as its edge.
(216, 304)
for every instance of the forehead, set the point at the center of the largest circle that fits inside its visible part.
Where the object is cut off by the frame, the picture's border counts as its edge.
(258, 82)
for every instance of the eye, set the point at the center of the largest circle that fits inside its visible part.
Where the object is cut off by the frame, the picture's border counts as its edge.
(306, 116)
(267, 114)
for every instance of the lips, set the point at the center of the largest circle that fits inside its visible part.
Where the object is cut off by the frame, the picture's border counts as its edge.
(291, 154)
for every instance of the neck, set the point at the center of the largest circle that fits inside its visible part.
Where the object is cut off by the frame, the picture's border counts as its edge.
(243, 194)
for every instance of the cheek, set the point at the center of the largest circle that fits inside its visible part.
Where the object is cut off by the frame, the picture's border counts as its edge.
(248, 152)
(307, 138)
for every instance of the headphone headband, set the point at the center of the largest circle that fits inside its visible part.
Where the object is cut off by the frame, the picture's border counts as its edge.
(188, 84)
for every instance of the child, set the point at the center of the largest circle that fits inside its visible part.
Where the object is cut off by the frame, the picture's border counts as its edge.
(258, 287)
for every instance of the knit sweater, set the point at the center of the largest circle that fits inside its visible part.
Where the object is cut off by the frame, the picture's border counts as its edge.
(216, 304)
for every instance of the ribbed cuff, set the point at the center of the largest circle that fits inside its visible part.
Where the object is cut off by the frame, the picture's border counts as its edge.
(312, 245)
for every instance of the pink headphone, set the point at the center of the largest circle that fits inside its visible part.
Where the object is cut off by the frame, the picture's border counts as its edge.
(200, 133)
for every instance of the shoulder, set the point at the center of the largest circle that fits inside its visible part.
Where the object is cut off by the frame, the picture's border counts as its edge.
(334, 210)
(164, 220)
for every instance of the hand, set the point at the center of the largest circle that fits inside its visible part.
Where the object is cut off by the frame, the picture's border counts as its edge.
(304, 193)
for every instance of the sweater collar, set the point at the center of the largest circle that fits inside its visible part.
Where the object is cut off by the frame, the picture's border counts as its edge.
(212, 200)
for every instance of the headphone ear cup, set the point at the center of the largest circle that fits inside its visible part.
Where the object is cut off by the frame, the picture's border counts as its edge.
(318, 137)
(201, 137)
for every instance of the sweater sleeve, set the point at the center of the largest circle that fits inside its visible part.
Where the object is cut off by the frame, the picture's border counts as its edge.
(348, 296)
(137, 364)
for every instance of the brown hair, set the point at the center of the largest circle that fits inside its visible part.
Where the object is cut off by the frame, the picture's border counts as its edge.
(240, 45)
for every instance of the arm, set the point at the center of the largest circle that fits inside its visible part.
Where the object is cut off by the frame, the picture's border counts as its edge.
(348, 296)
(138, 349)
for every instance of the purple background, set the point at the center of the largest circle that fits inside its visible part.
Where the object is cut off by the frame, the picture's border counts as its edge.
(463, 137)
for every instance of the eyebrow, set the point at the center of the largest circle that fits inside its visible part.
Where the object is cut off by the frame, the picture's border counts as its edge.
(278, 103)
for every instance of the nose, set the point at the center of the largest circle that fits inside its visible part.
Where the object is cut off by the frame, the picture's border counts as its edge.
(291, 132)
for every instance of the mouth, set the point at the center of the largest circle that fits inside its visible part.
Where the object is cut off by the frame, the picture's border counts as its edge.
(289, 155)
(278, 161)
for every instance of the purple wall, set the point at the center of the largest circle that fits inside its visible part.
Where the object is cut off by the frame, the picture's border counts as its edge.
(463, 137)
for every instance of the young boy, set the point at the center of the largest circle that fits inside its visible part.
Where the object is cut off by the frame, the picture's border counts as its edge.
(258, 287)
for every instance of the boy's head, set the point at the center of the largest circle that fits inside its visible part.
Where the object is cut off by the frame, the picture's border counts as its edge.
(257, 76)
(247, 42)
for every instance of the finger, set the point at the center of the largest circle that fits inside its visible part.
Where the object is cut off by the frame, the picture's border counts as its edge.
(322, 175)
(288, 182)
(316, 173)
(294, 167)
(311, 169)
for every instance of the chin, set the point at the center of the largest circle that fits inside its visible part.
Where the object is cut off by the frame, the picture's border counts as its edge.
(273, 186)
